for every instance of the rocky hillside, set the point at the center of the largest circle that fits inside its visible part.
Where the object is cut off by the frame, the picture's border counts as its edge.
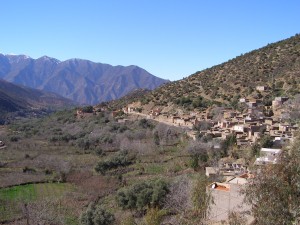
(82, 81)
(133, 96)
(276, 66)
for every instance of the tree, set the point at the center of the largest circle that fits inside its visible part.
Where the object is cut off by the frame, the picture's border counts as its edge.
(47, 211)
(202, 125)
(201, 199)
(292, 109)
(228, 143)
(144, 123)
(165, 135)
(274, 193)
(199, 153)
(234, 103)
(266, 141)
(255, 149)
(122, 159)
(178, 201)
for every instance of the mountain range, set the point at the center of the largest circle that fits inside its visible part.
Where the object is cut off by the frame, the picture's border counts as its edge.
(82, 81)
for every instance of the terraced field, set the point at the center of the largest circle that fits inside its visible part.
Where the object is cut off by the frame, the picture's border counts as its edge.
(14, 198)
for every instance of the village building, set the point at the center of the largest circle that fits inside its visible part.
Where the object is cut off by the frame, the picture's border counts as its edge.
(262, 88)
(211, 171)
(268, 156)
(243, 100)
(227, 198)
(278, 102)
(248, 127)
(155, 112)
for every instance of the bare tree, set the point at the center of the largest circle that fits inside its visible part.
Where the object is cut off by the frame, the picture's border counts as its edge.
(292, 109)
(217, 113)
(199, 153)
(45, 212)
(179, 199)
(168, 135)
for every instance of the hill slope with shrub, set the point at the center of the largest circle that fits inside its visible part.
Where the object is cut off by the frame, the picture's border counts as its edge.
(276, 66)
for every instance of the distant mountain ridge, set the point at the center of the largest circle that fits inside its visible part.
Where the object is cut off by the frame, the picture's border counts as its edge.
(81, 80)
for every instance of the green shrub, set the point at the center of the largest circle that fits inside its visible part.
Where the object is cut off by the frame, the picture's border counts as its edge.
(229, 142)
(83, 144)
(28, 170)
(121, 160)
(14, 138)
(266, 141)
(155, 216)
(144, 123)
(88, 109)
(96, 215)
(142, 195)
(106, 138)
(99, 151)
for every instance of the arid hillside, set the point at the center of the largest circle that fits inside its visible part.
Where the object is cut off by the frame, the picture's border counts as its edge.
(275, 66)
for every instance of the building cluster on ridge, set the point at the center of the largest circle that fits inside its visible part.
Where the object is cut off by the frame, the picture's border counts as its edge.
(248, 127)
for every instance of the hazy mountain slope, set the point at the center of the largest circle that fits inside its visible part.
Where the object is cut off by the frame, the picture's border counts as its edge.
(15, 98)
(276, 65)
(83, 81)
(10, 104)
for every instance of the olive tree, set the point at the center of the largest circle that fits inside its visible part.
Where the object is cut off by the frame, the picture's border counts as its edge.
(96, 215)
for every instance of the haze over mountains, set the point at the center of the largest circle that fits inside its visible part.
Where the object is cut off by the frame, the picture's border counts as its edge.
(81, 80)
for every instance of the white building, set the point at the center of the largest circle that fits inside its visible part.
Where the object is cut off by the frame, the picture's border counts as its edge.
(268, 156)
(239, 128)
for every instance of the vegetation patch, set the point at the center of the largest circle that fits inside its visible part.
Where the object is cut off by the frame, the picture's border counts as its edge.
(154, 169)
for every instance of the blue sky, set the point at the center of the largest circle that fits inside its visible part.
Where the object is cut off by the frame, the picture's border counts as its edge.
(169, 38)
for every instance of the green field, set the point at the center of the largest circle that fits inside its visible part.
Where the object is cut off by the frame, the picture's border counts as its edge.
(12, 199)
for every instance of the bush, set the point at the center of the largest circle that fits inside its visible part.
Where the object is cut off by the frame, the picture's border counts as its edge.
(155, 216)
(106, 138)
(144, 123)
(202, 125)
(99, 151)
(88, 109)
(96, 215)
(83, 144)
(142, 195)
(121, 160)
(128, 221)
(28, 170)
(266, 141)
(194, 162)
(14, 138)
(228, 143)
